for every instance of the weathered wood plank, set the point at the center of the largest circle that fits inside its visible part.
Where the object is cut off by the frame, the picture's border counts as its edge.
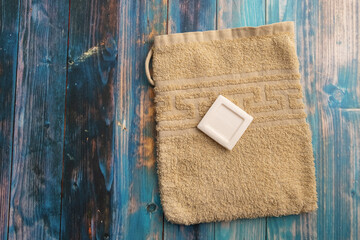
(241, 229)
(328, 49)
(187, 16)
(90, 120)
(240, 13)
(337, 91)
(233, 14)
(9, 21)
(136, 209)
(39, 120)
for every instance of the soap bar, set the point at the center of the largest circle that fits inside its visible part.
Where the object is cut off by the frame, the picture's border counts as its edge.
(225, 122)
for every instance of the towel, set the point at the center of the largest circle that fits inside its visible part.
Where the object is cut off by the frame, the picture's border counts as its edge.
(270, 171)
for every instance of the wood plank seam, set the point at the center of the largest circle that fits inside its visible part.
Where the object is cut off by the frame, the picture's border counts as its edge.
(66, 84)
(13, 118)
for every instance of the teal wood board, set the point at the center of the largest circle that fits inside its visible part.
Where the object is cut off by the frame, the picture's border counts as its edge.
(8, 64)
(77, 129)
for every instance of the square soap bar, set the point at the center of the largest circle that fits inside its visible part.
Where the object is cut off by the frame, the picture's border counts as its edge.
(225, 122)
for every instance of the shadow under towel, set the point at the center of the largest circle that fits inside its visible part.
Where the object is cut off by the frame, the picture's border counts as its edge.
(270, 171)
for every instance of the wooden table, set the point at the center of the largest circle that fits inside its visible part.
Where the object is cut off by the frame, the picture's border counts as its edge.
(77, 130)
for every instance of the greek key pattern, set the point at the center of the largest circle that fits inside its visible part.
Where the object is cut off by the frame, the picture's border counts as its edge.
(266, 101)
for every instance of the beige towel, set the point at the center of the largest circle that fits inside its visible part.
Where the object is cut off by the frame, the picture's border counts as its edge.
(270, 172)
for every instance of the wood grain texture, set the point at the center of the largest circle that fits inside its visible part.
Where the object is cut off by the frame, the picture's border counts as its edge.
(90, 120)
(187, 16)
(337, 87)
(39, 121)
(240, 13)
(136, 208)
(328, 49)
(241, 229)
(9, 21)
(231, 14)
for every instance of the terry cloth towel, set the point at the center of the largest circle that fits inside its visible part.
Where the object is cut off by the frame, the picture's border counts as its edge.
(270, 171)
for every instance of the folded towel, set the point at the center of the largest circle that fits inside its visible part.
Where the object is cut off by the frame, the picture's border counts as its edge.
(270, 171)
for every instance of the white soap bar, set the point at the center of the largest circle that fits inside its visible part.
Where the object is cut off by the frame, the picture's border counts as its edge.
(225, 122)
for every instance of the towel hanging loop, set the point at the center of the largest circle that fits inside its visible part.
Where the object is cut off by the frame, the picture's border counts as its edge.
(147, 71)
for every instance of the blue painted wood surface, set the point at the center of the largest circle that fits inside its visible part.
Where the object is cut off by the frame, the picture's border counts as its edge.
(93, 141)
(39, 121)
(90, 120)
(9, 22)
(136, 209)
